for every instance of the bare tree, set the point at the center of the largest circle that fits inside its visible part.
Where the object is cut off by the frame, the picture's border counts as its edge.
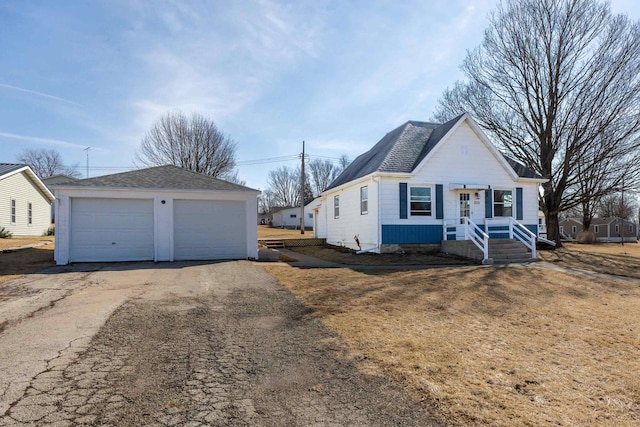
(283, 184)
(283, 188)
(194, 143)
(557, 84)
(46, 163)
(613, 206)
(343, 162)
(323, 172)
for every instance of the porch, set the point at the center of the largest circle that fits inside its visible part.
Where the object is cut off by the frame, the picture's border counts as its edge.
(503, 240)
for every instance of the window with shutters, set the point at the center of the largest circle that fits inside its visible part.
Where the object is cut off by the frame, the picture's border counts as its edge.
(502, 203)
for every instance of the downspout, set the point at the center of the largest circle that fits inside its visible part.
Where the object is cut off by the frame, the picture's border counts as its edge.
(376, 179)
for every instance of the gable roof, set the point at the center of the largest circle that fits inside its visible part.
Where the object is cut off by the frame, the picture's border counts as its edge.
(166, 177)
(7, 169)
(404, 148)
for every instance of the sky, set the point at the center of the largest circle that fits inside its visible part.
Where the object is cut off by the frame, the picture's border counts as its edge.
(337, 74)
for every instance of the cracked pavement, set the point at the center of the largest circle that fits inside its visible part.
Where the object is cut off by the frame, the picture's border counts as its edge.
(179, 344)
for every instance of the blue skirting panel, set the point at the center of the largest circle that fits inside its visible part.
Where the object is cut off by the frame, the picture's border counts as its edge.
(411, 234)
(417, 234)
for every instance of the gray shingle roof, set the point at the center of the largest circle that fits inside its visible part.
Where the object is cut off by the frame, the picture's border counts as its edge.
(402, 150)
(160, 177)
(520, 169)
(9, 167)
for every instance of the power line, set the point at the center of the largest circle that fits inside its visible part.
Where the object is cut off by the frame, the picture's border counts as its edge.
(287, 158)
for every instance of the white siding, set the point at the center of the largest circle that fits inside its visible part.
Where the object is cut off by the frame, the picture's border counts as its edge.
(163, 218)
(341, 231)
(320, 220)
(283, 218)
(461, 159)
(20, 187)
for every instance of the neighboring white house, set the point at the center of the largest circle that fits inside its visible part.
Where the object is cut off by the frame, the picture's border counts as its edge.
(424, 178)
(25, 202)
(50, 182)
(289, 217)
(163, 213)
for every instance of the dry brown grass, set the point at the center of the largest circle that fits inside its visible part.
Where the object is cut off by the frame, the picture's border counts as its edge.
(349, 257)
(15, 242)
(26, 261)
(487, 345)
(609, 258)
(266, 232)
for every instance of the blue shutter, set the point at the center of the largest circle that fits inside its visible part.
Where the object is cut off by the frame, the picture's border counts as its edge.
(519, 209)
(403, 200)
(439, 202)
(488, 203)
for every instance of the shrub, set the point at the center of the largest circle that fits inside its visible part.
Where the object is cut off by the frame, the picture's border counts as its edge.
(4, 233)
(586, 237)
(51, 231)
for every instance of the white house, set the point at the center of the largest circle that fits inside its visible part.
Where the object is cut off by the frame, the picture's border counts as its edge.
(25, 202)
(289, 217)
(163, 213)
(424, 183)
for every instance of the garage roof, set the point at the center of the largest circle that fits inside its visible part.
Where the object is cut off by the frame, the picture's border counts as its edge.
(160, 177)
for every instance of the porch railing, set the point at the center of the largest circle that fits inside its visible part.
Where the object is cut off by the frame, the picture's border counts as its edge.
(450, 228)
(516, 231)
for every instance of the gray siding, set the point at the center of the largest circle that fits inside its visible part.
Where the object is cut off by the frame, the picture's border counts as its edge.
(20, 187)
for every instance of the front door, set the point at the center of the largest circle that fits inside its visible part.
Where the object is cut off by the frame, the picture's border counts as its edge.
(469, 205)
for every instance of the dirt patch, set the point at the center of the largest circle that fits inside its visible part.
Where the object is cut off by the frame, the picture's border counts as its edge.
(349, 257)
(16, 242)
(266, 232)
(489, 345)
(608, 258)
(26, 261)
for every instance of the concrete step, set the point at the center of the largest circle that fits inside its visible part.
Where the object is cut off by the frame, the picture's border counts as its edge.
(508, 255)
(273, 244)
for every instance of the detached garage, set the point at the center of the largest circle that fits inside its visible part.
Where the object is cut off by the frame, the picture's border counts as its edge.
(164, 213)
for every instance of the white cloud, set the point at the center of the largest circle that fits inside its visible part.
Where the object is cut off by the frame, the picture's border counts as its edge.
(39, 94)
(46, 141)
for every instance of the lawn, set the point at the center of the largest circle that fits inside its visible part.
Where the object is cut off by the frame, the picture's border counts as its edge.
(266, 232)
(26, 261)
(610, 258)
(489, 345)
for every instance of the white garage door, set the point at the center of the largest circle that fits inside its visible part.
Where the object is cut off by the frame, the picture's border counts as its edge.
(111, 230)
(204, 229)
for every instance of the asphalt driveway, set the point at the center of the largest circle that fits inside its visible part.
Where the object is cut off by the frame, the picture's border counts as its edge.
(179, 344)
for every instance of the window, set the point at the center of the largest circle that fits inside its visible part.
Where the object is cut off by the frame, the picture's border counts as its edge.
(336, 206)
(293, 216)
(617, 228)
(364, 200)
(502, 203)
(574, 229)
(561, 229)
(310, 216)
(420, 201)
(13, 211)
(630, 228)
(596, 229)
(29, 214)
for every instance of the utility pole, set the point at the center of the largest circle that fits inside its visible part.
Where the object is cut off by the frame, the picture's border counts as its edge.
(302, 181)
(87, 150)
